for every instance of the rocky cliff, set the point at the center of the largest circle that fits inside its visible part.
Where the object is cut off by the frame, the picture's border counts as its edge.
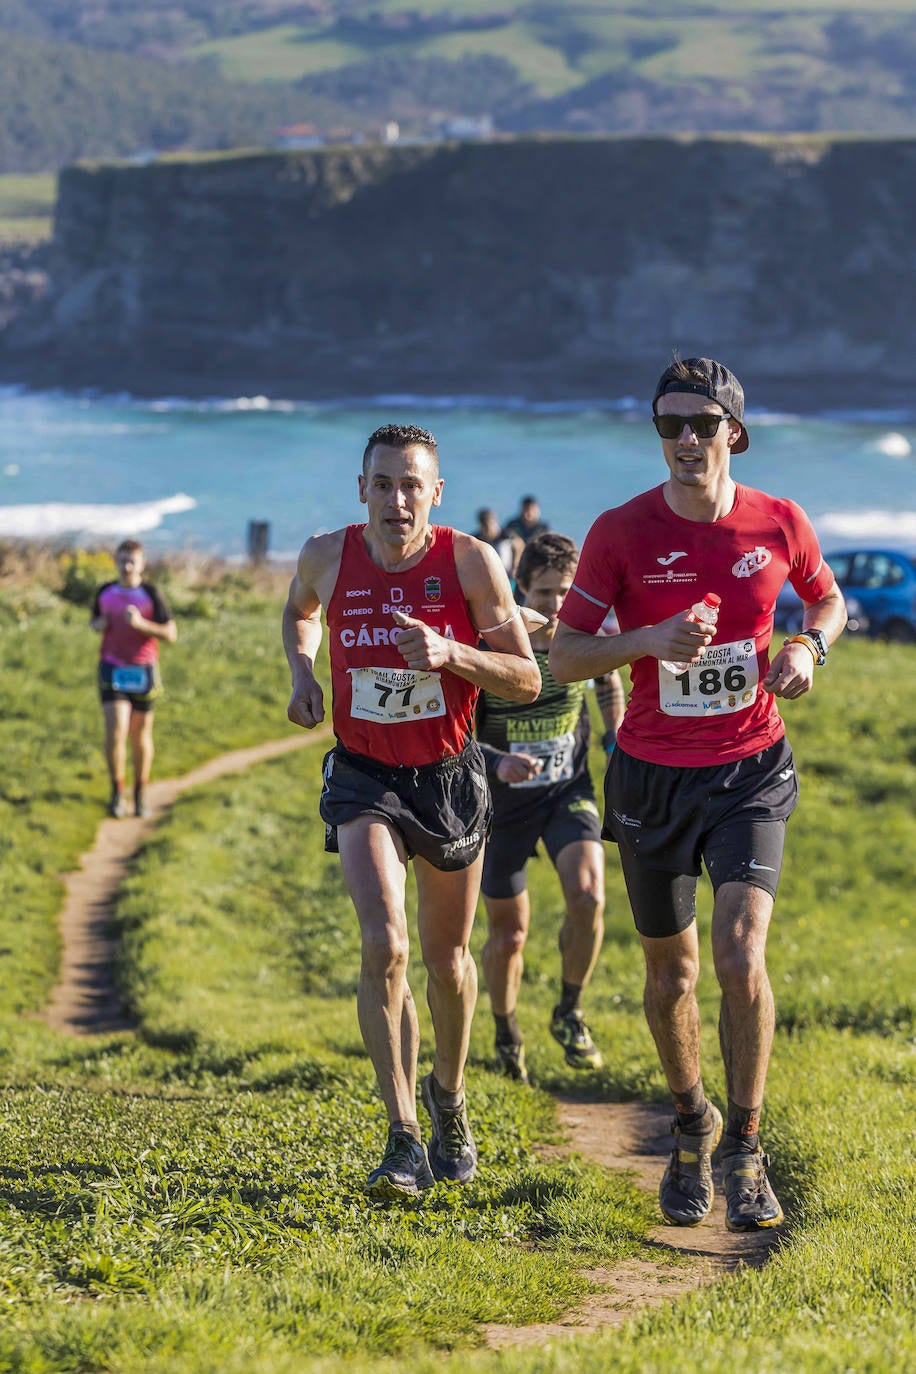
(532, 267)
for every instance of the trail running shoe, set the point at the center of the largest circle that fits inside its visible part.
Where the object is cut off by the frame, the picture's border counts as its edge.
(452, 1152)
(685, 1192)
(141, 806)
(510, 1061)
(404, 1170)
(573, 1034)
(750, 1203)
(117, 807)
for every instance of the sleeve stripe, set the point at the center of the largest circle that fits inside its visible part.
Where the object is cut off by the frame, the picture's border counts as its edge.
(816, 571)
(605, 606)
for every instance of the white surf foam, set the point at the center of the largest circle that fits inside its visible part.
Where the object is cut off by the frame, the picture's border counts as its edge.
(894, 527)
(53, 519)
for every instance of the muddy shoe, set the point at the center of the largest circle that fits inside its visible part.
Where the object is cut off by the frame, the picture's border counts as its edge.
(510, 1061)
(750, 1203)
(404, 1170)
(573, 1034)
(685, 1193)
(452, 1152)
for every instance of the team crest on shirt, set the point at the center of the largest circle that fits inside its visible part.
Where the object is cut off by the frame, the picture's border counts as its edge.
(752, 562)
(432, 588)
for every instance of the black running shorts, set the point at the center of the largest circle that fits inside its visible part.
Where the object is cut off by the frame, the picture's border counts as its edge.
(442, 811)
(668, 822)
(142, 700)
(558, 820)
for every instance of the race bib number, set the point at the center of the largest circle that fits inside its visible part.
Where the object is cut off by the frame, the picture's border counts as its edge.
(725, 681)
(134, 677)
(394, 695)
(556, 757)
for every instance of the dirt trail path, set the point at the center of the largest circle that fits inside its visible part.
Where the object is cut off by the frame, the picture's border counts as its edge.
(631, 1136)
(85, 1001)
(637, 1136)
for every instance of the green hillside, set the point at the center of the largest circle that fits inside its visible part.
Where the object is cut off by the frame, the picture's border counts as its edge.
(109, 78)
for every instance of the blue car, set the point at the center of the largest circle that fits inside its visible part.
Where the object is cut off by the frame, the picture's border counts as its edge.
(880, 590)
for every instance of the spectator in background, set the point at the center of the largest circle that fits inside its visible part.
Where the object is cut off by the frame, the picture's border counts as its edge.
(131, 617)
(490, 532)
(528, 523)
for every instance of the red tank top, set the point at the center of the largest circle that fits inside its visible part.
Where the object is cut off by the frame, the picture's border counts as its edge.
(383, 709)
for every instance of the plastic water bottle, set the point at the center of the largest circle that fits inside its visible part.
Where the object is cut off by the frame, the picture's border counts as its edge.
(706, 610)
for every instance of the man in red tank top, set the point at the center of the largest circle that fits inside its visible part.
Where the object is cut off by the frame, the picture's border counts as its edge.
(407, 604)
(702, 771)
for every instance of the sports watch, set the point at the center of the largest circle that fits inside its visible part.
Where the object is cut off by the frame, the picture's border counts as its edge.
(816, 641)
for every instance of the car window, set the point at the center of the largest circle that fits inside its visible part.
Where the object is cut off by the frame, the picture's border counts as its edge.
(878, 570)
(839, 562)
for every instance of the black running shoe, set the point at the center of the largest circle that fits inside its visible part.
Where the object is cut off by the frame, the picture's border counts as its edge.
(117, 807)
(510, 1061)
(404, 1170)
(750, 1203)
(573, 1034)
(685, 1192)
(452, 1152)
(141, 805)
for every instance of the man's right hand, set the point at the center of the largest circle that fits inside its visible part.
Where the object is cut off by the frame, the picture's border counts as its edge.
(306, 705)
(681, 638)
(514, 768)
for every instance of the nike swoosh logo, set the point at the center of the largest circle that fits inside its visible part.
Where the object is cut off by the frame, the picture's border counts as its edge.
(752, 863)
(671, 558)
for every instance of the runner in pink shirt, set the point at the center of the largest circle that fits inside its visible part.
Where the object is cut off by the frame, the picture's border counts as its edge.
(131, 617)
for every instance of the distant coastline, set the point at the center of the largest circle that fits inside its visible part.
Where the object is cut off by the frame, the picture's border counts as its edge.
(555, 269)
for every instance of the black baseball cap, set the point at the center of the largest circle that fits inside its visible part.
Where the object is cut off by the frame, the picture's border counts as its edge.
(718, 384)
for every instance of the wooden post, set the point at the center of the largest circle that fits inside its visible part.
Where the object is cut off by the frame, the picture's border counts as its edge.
(258, 540)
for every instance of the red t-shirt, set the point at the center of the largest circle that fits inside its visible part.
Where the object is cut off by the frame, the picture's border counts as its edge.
(121, 643)
(391, 713)
(649, 564)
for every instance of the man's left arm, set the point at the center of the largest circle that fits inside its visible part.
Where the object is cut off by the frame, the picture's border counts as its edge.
(507, 666)
(791, 673)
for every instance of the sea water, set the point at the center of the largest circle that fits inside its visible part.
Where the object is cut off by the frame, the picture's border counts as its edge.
(191, 475)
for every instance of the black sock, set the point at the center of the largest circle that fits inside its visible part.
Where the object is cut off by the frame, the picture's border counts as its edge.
(569, 997)
(507, 1029)
(741, 1130)
(690, 1105)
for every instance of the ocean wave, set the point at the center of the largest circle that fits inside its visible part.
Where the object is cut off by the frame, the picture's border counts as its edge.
(53, 519)
(875, 526)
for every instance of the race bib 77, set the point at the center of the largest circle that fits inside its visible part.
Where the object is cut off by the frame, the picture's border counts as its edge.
(394, 695)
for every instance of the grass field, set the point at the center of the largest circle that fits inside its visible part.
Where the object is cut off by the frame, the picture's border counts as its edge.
(558, 48)
(188, 1198)
(27, 207)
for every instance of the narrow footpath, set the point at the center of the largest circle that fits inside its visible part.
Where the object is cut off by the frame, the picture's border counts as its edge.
(630, 1136)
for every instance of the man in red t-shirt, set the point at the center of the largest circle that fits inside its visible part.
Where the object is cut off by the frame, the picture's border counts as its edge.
(131, 616)
(406, 604)
(702, 771)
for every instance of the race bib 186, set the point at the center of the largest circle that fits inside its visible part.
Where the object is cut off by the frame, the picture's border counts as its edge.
(393, 695)
(725, 681)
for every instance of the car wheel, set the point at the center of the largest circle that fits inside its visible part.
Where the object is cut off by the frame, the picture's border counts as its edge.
(899, 632)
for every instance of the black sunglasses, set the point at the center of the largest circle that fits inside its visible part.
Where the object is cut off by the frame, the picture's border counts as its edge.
(703, 426)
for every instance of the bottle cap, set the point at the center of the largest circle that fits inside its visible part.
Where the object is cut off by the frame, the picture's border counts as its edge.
(712, 600)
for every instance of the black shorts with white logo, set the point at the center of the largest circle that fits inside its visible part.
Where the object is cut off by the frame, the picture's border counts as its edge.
(560, 818)
(668, 822)
(441, 810)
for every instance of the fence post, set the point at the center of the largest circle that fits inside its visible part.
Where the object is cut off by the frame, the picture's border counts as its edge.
(258, 540)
